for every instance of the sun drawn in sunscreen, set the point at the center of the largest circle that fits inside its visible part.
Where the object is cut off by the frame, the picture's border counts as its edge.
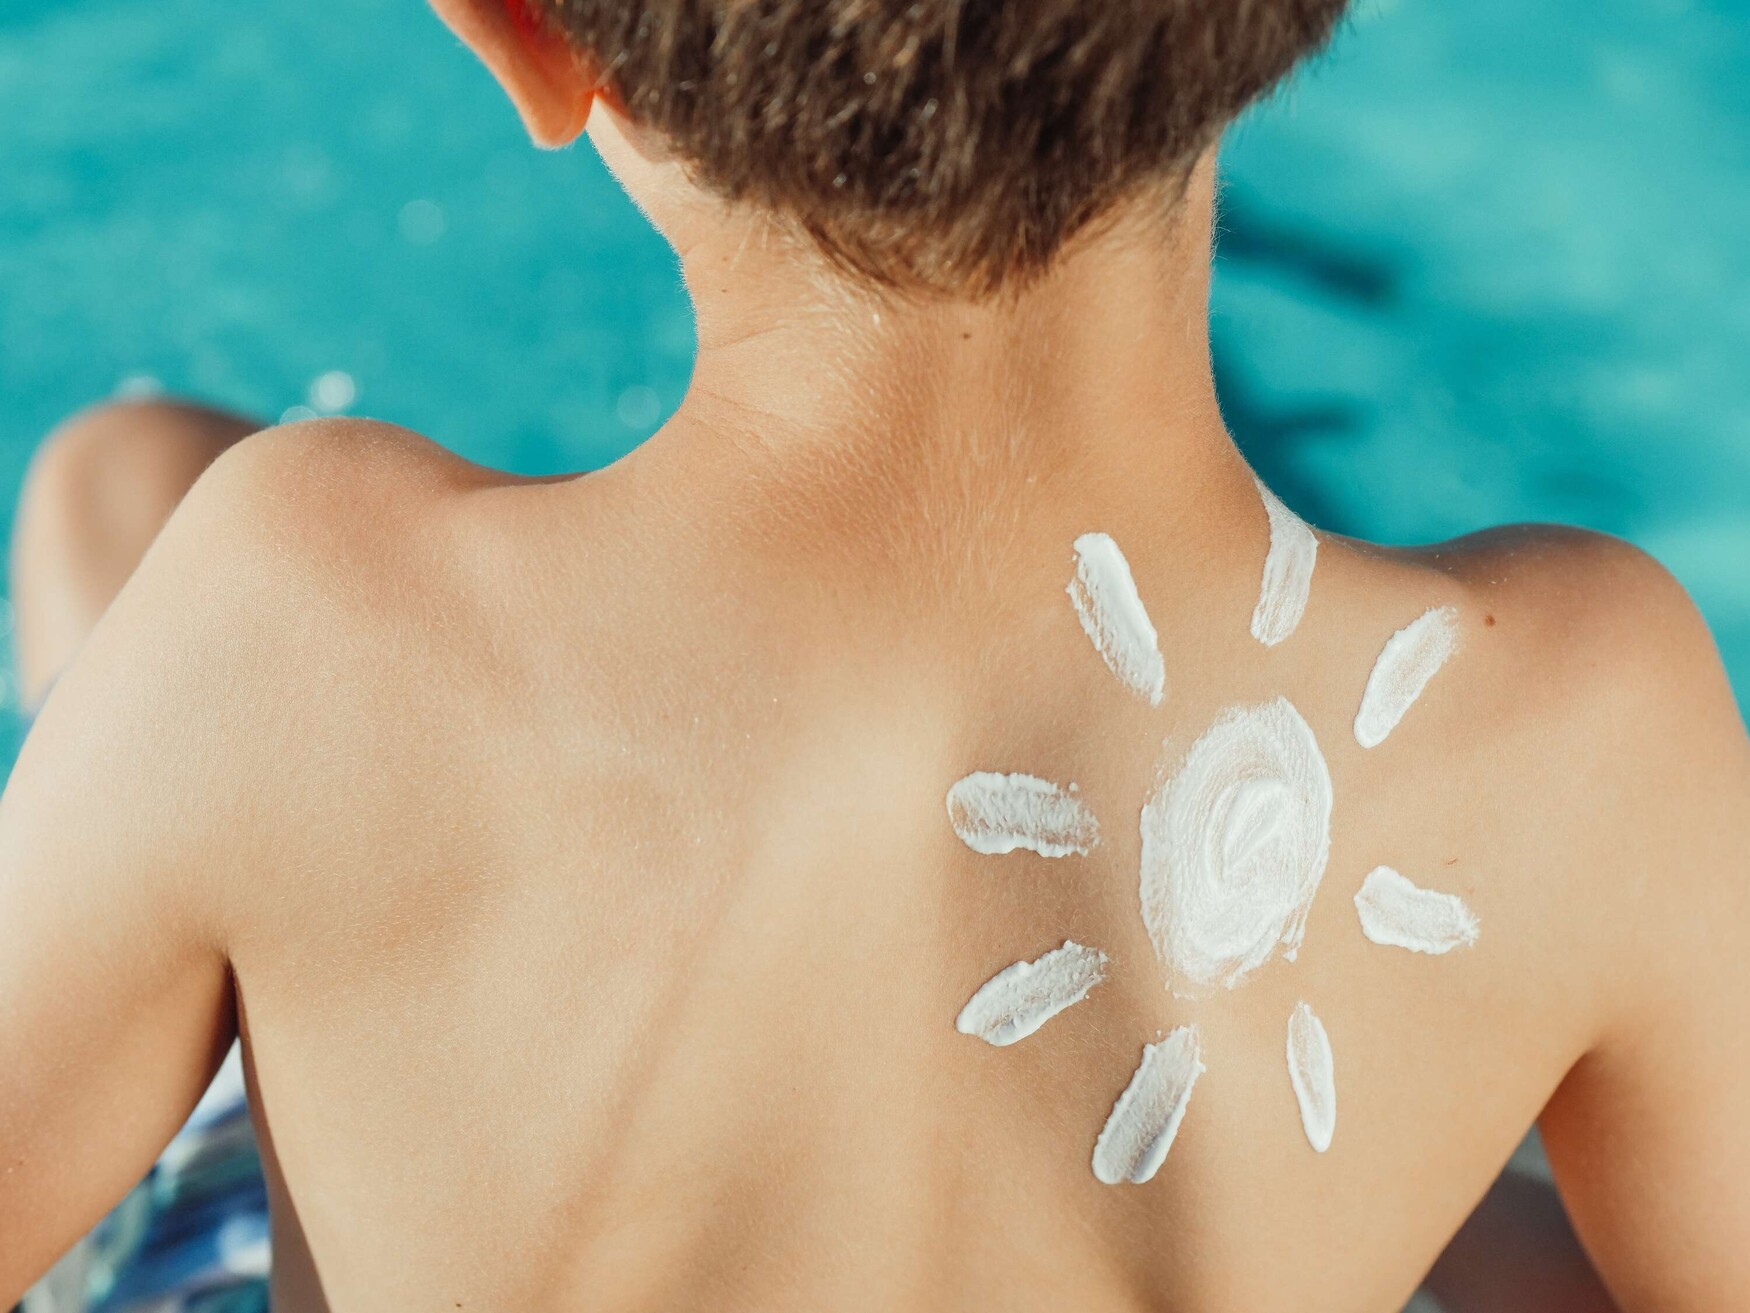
(996, 814)
(1310, 1072)
(1134, 1142)
(1114, 618)
(1235, 841)
(1234, 846)
(1019, 999)
(1288, 572)
(1398, 914)
(1411, 657)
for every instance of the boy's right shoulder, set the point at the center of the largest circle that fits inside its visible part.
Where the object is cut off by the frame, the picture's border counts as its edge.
(1625, 775)
(1617, 744)
(1603, 671)
(1594, 624)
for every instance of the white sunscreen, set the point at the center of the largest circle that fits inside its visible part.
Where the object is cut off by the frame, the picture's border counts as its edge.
(1396, 913)
(994, 813)
(1312, 1074)
(1288, 572)
(1235, 843)
(1015, 1002)
(1146, 1118)
(1113, 617)
(1411, 657)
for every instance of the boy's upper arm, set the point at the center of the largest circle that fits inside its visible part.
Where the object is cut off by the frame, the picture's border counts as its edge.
(205, 741)
(136, 793)
(1649, 1134)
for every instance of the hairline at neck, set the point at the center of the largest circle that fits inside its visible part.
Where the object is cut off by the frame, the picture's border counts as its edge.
(1101, 365)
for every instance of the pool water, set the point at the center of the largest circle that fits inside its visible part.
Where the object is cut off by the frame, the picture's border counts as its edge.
(1489, 263)
(1484, 262)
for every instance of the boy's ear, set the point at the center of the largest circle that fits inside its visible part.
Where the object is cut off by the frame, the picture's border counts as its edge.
(551, 86)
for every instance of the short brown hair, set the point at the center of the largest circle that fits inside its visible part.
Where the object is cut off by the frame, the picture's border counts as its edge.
(954, 145)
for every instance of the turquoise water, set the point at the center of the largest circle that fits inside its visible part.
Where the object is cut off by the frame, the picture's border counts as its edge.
(1485, 262)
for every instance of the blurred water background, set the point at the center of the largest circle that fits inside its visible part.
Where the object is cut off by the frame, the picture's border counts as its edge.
(1484, 262)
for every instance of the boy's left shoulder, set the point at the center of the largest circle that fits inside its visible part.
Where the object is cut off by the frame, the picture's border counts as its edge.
(332, 478)
(262, 646)
(337, 527)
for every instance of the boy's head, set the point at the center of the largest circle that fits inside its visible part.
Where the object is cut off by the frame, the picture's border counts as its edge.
(953, 145)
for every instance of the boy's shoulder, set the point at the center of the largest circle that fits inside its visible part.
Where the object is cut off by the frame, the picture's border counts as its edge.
(1575, 648)
(328, 485)
(1592, 625)
(267, 646)
(1598, 673)
(331, 540)
(1625, 772)
(1608, 741)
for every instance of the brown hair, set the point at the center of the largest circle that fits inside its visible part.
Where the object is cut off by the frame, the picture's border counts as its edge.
(953, 145)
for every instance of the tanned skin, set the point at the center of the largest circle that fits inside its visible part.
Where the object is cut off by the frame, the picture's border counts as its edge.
(571, 854)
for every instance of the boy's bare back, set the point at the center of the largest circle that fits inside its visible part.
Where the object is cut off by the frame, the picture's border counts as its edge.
(577, 855)
(574, 857)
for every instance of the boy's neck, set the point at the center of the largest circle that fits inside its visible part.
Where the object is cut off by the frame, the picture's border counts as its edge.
(1095, 380)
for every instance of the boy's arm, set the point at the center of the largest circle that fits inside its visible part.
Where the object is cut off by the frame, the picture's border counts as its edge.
(115, 996)
(1650, 1133)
